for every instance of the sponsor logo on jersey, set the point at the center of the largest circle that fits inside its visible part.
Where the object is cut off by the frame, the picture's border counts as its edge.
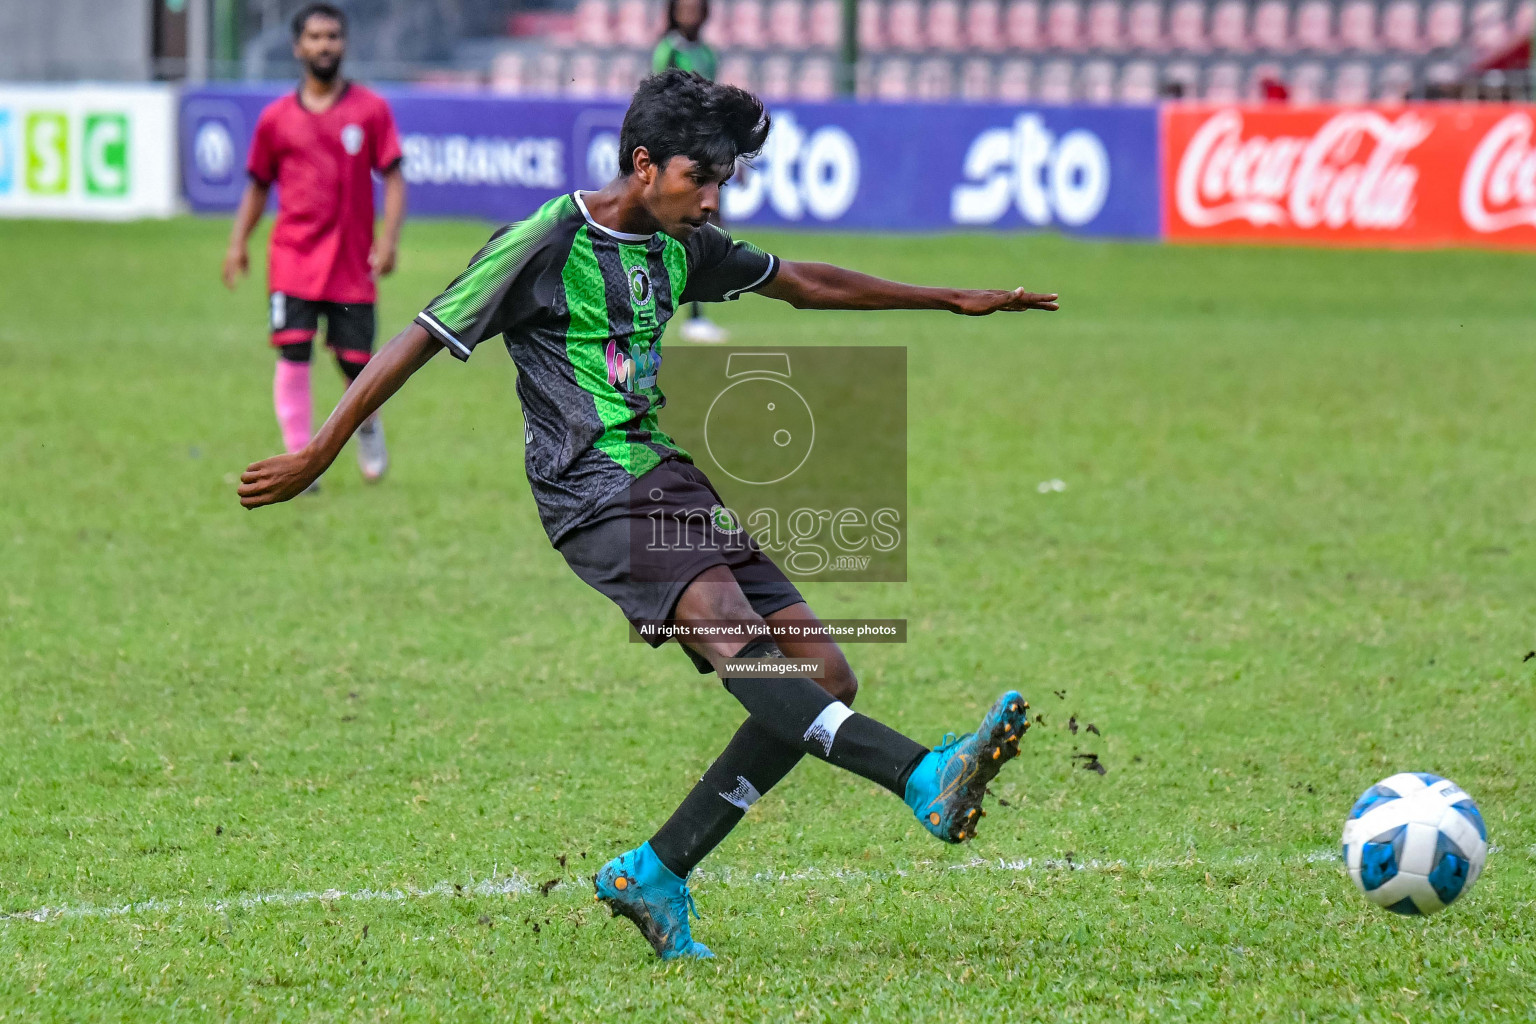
(352, 139)
(640, 286)
(724, 519)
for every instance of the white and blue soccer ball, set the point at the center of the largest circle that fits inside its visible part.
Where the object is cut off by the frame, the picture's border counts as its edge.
(1414, 843)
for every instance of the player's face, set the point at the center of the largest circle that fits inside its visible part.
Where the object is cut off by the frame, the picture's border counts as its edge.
(683, 195)
(321, 47)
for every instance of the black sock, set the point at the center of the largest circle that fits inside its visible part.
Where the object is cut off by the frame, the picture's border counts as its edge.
(801, 714)
(751, 764)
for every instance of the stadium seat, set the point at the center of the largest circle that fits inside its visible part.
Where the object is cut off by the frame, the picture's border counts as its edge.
(1443, 25)
(594, 23)
(904, 25)
(1489, 30)
(984, 26)
(546, 74)
(1259, 73)
(1015, 81)
(1138, 82)
(1181, 74)
(934, 81)
(717, 30)
(1223, 82)
(976, 77)
(1272, 26)
(583, 76)
(825, 28)
(786, 24)
(776, 77)
(1144, 26)
(1021, 25)
(1314, 26)
(1357, 26)
(1394, 81)
(737, 69)
(1523, 23)
(893, 83)
(1186, 26)
(1229, 26)
(817, 80)
(624, 71)
(945, 26)
(871, 26)
(1352, 82)
(509, 70)
(637, 23)
(1055, 85)
(1106, 25)
(1064, 24)
(1400, 26)
(1096, 82)
(747, 24)
(1306, 82)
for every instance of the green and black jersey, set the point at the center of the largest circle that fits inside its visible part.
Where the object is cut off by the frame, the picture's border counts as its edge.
(677, 51)
(583, 308)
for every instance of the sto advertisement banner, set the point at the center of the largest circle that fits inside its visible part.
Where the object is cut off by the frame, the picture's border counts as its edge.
(1415, 176)
(877, 167)
(87, 152)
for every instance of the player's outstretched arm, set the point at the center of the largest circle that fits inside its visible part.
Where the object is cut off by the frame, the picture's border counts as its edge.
(283, 476)
(252, 202)
(823, 286)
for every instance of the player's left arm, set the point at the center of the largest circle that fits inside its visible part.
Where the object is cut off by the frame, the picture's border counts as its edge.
(823, 286)
(386, 247)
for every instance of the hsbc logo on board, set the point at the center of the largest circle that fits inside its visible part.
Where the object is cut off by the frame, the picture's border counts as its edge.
(1354, 171)
(1498, 188)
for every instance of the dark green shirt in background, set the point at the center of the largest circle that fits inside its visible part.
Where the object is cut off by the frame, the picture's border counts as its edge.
(676, 51)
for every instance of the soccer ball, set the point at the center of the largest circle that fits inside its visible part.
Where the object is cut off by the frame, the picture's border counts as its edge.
(1414, 843)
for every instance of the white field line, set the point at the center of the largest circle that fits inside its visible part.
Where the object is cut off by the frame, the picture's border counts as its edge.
(517, 884)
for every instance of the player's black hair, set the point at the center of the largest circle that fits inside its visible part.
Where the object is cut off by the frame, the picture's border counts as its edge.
(679, 113)
(673, 26)
(322, 10)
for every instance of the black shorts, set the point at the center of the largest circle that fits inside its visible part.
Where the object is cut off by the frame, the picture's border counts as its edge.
(647, 544)
(349, 327)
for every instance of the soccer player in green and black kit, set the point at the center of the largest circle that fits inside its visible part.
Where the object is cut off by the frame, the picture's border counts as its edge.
(582, 292)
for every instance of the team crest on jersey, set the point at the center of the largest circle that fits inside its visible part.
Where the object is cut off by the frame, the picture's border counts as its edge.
(352, 139)
(724, 519)
(640, 286)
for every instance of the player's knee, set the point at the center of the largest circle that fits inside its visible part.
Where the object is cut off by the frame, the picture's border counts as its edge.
(295, 352)
(838, 679)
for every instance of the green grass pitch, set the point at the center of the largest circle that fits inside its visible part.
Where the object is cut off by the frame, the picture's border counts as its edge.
(356, 758)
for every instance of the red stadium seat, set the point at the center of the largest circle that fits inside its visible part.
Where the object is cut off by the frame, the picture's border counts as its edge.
(776, 77)
(904, 25)
(826, 24)
(1144, 25)
(509, 72)
(1096, 82)
(871, 26)
(1443, 24)
(945, 28)
(738, 70)
(1272, 26)
(1524, 21)
(1184, 74)
(1400, 26)
(1138, 82)
(1357, 26)
(1394, 82)
(1229, 26)
(1021, 25)
(817, 80)
(623, 74)
(1260, 73)
(637, 23)
(1352, 82)
(747, 24)
(1314, 26)
(717, 30)
(934, 81)
(1015, 81)
(984, 26)
(786, 24)
(594, 23)
(1223, 83)
(976, 80)
(1186, 26)
(583, 76)
(1306, 82)
(1489, 31)
(1064, 24)
(1055, 85)
(893, 83)
(1106, 29)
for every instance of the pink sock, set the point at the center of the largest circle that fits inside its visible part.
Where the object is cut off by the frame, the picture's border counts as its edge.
(290, 396)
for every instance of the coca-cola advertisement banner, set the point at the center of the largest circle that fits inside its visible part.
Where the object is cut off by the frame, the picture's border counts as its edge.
(1404, 176)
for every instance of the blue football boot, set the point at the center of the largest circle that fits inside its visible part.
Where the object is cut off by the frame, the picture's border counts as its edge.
(946, 788)
(638, 886)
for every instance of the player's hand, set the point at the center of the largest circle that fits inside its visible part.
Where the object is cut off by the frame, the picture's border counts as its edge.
(382, 259)
(276, 479)
(236, 266)
(981, 303)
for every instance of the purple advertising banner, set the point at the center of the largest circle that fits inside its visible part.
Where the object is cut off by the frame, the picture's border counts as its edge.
(837, 165)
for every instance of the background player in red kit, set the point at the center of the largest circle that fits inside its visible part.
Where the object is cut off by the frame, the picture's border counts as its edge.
(322, 145)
